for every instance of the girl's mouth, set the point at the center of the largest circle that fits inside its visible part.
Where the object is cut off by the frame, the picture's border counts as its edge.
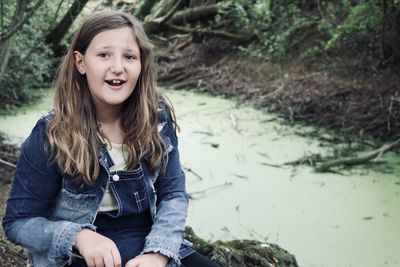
(115, 82)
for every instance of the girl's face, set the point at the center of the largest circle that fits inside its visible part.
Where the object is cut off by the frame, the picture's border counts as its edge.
(112, 67)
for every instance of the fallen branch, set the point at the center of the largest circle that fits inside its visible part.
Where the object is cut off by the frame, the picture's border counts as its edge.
(9, 164)
(357, 160)
(309, 160)
(194, 14)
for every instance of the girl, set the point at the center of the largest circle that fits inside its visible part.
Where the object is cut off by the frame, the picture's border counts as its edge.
(99, 182)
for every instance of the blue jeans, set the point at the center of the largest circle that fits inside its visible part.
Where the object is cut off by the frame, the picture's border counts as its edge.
(128, 233)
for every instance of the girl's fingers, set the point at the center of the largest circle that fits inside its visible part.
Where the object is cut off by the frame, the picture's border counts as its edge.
(99, 262)
(90, 262)
(116, 257)
(108, 260)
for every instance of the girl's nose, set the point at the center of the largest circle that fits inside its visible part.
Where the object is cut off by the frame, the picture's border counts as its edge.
(117, 66)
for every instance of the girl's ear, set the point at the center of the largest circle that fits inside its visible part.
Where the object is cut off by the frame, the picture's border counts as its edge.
(79, 63)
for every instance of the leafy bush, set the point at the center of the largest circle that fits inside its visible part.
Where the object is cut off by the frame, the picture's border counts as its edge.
(30, 61)
(283, 28)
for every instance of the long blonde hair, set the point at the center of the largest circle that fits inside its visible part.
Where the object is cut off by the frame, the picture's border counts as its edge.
(73, 132)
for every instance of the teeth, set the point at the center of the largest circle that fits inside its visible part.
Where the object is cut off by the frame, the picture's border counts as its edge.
(117, 82)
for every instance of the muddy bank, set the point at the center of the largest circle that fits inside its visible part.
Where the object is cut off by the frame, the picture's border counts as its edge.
(341, 91)
(10, 255)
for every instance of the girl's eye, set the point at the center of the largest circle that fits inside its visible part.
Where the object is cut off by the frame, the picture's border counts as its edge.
(103, 55)
(130, 57)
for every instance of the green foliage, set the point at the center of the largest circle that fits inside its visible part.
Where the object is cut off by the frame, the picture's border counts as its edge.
(30, 62)
(362, 21)
(303, 28)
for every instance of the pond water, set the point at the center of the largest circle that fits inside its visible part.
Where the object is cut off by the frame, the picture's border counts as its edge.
(232, 158)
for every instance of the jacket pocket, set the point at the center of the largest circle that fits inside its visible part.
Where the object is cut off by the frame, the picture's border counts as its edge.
(74, 201)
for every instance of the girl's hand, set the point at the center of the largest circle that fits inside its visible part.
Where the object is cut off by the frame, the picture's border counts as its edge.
(148, 260)
(97, 250)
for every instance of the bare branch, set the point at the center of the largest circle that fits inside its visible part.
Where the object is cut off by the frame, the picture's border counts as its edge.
(17, 26)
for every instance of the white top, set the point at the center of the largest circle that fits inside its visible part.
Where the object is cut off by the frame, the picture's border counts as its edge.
(117, 153)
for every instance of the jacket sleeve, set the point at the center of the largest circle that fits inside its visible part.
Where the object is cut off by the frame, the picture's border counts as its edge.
(172, 201)
(35, 187)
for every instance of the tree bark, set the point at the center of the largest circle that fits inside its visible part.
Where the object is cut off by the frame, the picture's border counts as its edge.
(194, 14)
(55, 36)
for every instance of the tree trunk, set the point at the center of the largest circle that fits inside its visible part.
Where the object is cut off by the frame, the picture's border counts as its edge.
(55, 36)
(4, 56)
(8, 36)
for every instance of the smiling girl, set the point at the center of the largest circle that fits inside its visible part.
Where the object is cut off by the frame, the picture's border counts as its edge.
(99, 181)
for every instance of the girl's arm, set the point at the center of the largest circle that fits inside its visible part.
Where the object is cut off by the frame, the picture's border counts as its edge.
(172, 201)
(35, 187)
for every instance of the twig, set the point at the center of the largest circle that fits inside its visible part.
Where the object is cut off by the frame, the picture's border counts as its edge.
(204, 132)
(390, 112)
(193, 172)
(240, 176)
(319, 9)
(213, 188)
(271, 165)
(9, 164)
(233, 119)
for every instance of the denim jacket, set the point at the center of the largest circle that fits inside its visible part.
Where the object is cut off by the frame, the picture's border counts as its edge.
(46, 209)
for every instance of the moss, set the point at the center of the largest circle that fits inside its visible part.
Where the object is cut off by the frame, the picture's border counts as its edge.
(242, 253)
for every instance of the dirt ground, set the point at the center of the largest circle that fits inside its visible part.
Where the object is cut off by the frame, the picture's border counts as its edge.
(10, 255)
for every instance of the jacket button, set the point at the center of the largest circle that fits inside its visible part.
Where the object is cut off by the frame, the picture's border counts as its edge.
(115, 177)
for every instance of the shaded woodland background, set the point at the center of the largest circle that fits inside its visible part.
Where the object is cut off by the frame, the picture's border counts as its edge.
(331, 63)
